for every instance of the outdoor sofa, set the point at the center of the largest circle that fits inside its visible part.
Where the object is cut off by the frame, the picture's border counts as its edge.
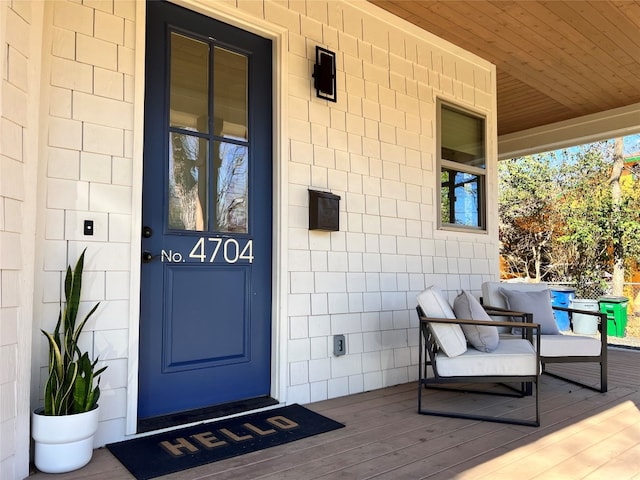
(556, 347)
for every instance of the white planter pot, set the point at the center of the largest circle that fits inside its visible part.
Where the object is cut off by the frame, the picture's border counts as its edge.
(63, 443)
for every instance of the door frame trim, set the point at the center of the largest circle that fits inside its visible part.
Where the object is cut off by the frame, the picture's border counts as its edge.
(279, 37)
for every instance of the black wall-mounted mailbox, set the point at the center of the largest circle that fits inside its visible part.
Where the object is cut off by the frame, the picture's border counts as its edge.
(324, 211)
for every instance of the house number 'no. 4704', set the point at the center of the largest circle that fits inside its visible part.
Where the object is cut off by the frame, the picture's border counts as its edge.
(208, 249)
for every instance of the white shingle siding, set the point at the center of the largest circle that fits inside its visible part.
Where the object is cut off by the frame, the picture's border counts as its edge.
(388, 198)
(88, 166)
(15, 150)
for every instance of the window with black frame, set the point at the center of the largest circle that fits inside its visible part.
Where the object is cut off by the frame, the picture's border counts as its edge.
(461, 147)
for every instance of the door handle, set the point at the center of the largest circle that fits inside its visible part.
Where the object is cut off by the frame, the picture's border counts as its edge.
(146, 232)
(147, 257)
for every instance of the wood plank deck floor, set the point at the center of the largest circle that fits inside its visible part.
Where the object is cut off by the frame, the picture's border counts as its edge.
(584, 435)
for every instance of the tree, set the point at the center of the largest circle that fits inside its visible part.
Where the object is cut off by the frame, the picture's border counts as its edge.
(584, 212)
(528, 191)
(570, 216)
(603, 217)
(616, 217)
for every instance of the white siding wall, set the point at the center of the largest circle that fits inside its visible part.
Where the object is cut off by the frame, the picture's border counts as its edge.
(20, 34)
(88, 165)
(375, 148)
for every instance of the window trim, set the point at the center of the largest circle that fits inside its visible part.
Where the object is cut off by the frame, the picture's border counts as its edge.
(461, 167)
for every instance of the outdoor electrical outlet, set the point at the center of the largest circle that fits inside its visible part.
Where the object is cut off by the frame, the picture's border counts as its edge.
(88, 227)
(339, 345)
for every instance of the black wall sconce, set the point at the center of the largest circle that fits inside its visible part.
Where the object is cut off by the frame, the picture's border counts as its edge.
(324, 74)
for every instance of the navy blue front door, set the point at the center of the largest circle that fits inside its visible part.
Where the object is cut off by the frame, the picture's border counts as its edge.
(205, 316)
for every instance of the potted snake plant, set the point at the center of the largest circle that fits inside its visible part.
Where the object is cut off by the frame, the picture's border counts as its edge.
(64, 428)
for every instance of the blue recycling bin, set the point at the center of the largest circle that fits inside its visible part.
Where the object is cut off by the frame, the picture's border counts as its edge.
(561, 297)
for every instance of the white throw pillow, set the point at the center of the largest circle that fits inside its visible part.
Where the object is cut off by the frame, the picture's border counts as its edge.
(449, 337)
(538, 303)
(482, 337)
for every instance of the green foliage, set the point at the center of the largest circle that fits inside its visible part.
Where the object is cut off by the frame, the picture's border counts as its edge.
(529, 188)
(558, 221)
(70, 386)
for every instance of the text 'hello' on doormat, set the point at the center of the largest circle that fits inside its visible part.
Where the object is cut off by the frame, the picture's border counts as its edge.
(168, 452)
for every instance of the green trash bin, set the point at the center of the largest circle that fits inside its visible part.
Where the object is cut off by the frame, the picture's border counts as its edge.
(616, 310)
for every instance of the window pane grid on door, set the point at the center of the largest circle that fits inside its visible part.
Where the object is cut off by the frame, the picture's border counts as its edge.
(208, 188)
(188, 182)
(230, 94)
(232, 161)
(189, 81)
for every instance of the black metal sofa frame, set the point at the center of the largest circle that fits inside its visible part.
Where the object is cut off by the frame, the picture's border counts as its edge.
(428, 348)
(601, 359)
(548, 360)
(488, 290)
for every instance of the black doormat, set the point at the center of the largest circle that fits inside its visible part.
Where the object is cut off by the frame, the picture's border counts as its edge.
(168, 452)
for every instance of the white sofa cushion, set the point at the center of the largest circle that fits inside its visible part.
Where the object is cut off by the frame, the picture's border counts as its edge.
(538, 303)
(449, 337)
(482, 337)
(569, 346)
(511, 357)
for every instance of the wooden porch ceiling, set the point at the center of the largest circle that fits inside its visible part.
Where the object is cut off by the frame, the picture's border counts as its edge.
(555, 60)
